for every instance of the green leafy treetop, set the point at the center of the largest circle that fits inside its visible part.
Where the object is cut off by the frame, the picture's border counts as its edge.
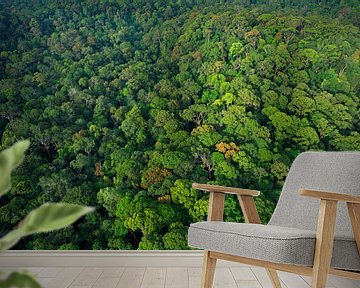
(126, 113)
(48, 217)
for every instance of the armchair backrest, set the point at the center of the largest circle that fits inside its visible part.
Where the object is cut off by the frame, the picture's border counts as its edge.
(326, 171)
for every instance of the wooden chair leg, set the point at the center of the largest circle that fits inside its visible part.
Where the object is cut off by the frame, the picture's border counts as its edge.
(274, 278)
(354, 212)
(208, 270)
(215, 213)
(324, 243)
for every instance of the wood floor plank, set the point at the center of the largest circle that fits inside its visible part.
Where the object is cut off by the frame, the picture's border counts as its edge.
(194, 271)
(293, 280)
(5, 271)
(106, 282)
(340, 282)
(177, 278)
(34, 270)
(263, 278)
(171, 277)
(112, 272)
(154, 278)
(50, 272)
(224, 278)
(243, 274)
(194, 277)
(131, 278)
(45, 282)
(308, 280)
(65, 277)
(87, 277)
(248, 284)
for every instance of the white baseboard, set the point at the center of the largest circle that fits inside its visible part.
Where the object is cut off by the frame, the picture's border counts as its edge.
(105, 258)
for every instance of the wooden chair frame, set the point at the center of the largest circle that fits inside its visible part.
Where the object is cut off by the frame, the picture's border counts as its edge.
(324, 235)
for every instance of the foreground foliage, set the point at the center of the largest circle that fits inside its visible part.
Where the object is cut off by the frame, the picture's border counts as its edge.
(48, 217)
(127, 105)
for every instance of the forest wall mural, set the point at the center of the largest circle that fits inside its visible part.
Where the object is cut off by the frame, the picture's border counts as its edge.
(126, 103)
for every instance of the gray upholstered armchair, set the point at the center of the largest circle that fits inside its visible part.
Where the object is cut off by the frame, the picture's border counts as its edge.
(314, 231)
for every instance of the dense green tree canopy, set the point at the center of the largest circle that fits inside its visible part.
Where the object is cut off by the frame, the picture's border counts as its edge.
(127, 103)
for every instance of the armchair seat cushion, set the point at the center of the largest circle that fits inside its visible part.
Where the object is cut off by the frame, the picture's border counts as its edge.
(270, 243)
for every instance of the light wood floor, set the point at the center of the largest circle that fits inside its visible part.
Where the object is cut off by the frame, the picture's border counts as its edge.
(170, 277)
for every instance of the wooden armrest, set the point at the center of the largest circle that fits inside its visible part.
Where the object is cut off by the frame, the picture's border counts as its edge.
(226, 190)
(323, 195)
(327, 220)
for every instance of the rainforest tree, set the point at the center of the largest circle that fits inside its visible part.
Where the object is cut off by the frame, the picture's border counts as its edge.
(127, 103)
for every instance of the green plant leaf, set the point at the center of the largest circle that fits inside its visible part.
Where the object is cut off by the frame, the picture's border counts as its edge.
(9, 160)
(10, 239)
(19, 279)
(52, 216)
(48, 217)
